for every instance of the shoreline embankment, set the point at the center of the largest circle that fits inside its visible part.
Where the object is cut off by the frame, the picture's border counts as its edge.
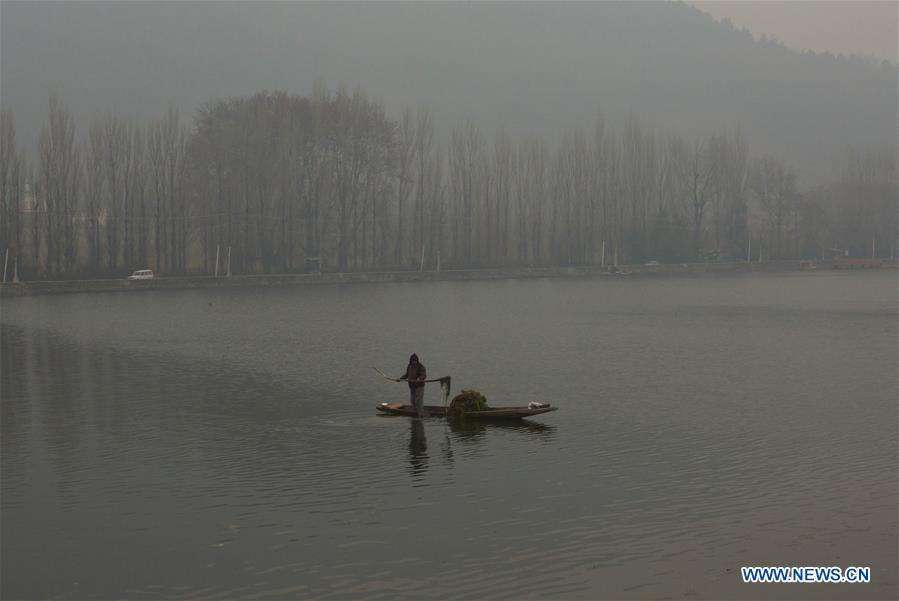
(268, 280)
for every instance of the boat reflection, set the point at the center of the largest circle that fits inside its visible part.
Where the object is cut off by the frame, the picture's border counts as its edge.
(464, 429)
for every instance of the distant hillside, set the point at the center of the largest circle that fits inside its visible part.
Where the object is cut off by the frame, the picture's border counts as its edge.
(535, 68)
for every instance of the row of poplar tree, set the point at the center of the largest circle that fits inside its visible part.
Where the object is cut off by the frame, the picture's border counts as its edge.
(281, 180)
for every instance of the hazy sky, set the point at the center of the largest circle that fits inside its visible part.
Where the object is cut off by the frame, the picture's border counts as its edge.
(535, 69)
(846, 26)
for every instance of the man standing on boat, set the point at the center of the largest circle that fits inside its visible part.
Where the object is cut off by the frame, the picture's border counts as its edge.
(416, 374)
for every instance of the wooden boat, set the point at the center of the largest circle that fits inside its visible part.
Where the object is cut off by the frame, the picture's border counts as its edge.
(492, 413)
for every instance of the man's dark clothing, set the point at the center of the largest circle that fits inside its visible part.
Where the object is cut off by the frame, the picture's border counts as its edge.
(415, 372)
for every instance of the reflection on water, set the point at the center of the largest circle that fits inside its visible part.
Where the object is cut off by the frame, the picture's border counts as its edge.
(463, 431)
(418, 448)
(159, 446)
(472, 428)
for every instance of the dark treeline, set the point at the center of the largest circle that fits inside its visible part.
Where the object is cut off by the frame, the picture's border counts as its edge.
(276, 181)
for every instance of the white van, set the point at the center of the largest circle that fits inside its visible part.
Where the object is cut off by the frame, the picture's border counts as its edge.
(143, 274)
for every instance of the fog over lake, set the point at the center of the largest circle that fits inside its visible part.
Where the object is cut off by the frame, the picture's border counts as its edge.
(224, 443)
(661, 243)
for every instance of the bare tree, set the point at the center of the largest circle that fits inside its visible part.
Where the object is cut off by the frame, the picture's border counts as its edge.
(466, 158)
(866, 194)
(95, 192)
(167, 149)
(11, 186)
(531, 195)
(503, 176)
(134, 232)
(60, 173)
(424, 137)
(407, 148)
(728, 151)
(116, 148)
(696, 172)
(639, 165)
(774, 186)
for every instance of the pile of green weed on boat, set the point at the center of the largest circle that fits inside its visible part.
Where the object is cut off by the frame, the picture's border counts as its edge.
(465, 401)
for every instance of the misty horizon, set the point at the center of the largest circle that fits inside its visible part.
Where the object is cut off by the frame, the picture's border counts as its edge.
(691, 75)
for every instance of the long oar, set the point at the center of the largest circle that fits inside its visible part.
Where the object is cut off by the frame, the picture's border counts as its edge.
(385, 376)
(395, 379)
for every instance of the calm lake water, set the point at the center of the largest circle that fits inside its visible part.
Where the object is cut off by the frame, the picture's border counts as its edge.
(224, 443)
